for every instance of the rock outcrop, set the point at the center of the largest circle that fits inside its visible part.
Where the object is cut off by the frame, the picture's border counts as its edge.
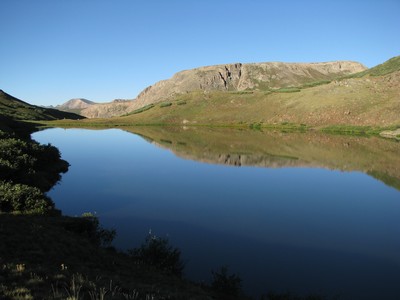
(107, 110)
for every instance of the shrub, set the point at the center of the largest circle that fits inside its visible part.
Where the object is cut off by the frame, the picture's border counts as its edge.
(225, 283)
(288, 90)
(157, 252)
(181, 102)
(316, 83)
(165, 104)
(142, 109)
(98, 235)
(256, 126)
(23, 199)
(28, 162)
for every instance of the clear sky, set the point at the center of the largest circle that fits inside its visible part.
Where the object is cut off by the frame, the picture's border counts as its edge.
(55, 50)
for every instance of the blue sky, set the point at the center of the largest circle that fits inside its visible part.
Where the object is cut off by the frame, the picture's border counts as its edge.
(55, 50)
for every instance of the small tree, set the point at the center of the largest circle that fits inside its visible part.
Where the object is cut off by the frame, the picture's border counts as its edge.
(226, 284)
(99, 235)
(157, 252)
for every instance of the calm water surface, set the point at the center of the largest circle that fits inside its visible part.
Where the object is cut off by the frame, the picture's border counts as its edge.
(300, 214)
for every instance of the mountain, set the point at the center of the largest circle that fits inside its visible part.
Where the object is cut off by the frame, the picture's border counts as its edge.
(367, 98)
(75, 105)
(230, 77)
(78, 103)
(16, 109)
(242, 77)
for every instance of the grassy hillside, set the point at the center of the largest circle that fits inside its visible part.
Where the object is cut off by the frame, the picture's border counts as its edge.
(16, 109)
(338, 104)
(355, 102)
(390, 66)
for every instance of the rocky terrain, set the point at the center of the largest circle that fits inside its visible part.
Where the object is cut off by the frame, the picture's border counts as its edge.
(229, 77)
(107, 110)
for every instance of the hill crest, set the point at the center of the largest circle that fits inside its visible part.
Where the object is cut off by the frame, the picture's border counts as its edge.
(76, 103)
(16, 109)
(231, 77)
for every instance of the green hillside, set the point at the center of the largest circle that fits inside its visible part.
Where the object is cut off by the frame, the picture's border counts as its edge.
(17, 109)
(389, 66)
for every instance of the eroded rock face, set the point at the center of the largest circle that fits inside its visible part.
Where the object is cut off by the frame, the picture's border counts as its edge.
(107, 110)
(229, 77)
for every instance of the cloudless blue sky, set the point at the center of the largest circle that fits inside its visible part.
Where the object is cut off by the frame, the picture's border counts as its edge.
(55, 50)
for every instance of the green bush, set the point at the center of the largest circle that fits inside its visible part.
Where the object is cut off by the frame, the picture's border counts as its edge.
(157, 252)
(142, 109)
(288, 90)
(181, 102)
(256, 126)
(28, 162)
(165, 104)
(23, 199)
(316, 83)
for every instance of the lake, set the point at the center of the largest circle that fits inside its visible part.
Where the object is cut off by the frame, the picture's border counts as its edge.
(298, 212)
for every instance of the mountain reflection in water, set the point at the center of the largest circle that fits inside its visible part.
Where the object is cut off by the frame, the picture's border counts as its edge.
(374, 156)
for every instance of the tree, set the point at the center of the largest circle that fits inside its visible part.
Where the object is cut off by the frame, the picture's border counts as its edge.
(157, 252)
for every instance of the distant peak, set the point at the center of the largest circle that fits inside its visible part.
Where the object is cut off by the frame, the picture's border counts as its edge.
(76, 103)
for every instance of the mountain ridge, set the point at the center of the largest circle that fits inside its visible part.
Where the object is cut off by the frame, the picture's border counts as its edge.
(12, 107)
(366, 98)
(229, 77)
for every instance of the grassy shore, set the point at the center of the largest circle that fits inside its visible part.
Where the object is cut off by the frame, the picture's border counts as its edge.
(366, 130)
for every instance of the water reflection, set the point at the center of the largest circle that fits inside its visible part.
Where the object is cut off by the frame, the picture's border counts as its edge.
(374, 156)
(287, 219)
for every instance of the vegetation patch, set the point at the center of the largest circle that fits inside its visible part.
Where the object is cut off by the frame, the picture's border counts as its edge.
(256, 126)
(352, 130)
(181, 102)
(21, 198)
(27, 162)
(142, 109)
(316, 83)
(157, 252)
(165, 104)
(245, 92)
(389, 66)
(288, 90)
